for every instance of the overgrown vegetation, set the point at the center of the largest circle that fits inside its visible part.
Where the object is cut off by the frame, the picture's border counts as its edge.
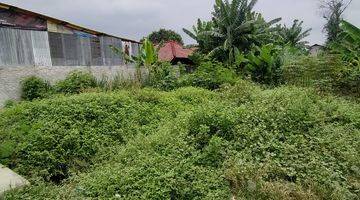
(258, 118)
(241, 141)
(34, 88)
(327, 73)
(76, 82)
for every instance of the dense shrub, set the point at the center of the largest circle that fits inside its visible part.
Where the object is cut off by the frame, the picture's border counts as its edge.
(242, 141)
(163, 76)
(119, 82)
(76, 82)
(324, 72)
(263, 64)
(349, 83)
(161, 166)
(56, 136)
(210, 75)
(34, 88)
(10, 103)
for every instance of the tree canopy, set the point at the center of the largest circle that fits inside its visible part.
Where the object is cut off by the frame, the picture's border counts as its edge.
(164, 35)
(333, 13)
(295, 34)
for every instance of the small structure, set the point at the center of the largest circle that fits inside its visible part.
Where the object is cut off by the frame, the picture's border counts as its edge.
(315, 49)
(10, 180)
(174, 53)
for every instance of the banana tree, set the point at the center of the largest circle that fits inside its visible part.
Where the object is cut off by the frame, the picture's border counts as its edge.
(350, 43)
(148, 56)
(205, 42)
(236, 26)
(262, 64)
(294, 35)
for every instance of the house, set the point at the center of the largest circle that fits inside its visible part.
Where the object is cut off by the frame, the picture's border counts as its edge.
(36, 44)
(175, 53)
(315, 49)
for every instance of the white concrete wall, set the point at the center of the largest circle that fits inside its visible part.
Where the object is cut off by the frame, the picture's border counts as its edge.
(10, 77)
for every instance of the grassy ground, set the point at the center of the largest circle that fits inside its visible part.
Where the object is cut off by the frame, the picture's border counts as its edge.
(242, 141)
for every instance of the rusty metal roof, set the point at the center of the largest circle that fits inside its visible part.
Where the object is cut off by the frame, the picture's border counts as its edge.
(172, 50)
(62, 22)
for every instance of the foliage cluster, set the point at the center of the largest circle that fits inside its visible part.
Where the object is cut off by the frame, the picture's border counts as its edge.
(333, 11)
(76, 82)
(164, 35)
(239, 141)
(261, 64)
(325, 72)
(34, 88)
(348, 46)
(37, 88)
(209, 75)
(242, 141)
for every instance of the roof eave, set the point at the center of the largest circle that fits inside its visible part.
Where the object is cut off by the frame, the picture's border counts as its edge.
(73, 26)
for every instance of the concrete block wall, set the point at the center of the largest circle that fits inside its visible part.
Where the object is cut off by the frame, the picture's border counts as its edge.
(10, 77)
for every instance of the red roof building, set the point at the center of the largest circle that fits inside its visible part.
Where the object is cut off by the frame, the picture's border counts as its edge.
(174, 52)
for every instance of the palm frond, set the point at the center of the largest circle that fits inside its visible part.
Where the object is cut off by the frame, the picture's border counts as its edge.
(252, 4)
(274, 21)
(190, 34)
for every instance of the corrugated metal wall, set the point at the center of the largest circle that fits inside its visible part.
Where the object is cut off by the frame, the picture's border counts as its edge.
(108, 55)
(85, 51)
(40, 48)
(56, 49)
(135, 48)
(24, 48)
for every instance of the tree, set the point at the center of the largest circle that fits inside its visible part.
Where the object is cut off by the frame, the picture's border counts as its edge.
(235, 26)
(205, 42)
(164, 35)
(333, 13)
(294, 35)
(349, 45)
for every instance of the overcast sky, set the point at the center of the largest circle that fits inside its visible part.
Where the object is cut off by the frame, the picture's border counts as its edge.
(134, 19)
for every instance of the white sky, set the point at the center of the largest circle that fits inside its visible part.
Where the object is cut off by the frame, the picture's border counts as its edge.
(134, 19)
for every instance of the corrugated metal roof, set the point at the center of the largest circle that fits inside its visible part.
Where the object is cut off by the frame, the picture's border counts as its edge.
(62, 22)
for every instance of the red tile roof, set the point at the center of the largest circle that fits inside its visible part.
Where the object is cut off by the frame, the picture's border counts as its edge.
(171, 50)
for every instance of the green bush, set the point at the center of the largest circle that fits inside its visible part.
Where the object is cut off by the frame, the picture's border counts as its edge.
(56, 136)
(118, 82)
(309, 71)
(34, 88)
(324, 72)
(263, 64)
(241, 141)
(10, 103)
(76, 82)
(163, 76)
(349, 82)
(161, 166)
(210, 75)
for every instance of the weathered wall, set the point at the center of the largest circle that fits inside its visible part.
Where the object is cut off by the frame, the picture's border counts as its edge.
(24, 48)
(10, 77)
(41, 48)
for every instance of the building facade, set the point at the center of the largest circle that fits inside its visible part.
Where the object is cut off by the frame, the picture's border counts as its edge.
(31, 39)
(35, 44)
